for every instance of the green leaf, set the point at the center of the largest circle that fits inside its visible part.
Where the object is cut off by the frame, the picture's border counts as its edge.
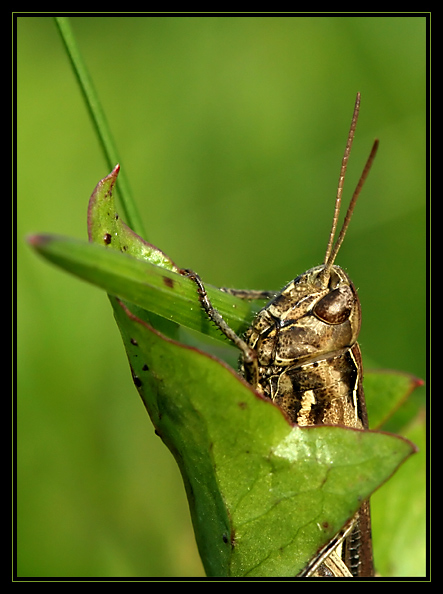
(151, 287)
(385, 391)
(106, 228)
(264, 495)
(399, 513)
(125, 265)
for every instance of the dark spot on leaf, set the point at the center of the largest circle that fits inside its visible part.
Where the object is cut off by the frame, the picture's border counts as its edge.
(107, 238)
(168, 282)
(116, 216)
(225, 537)
(243, 405)
(124, 248)
(325, 525)
(134, 342)
(145, 367)
(137, 381)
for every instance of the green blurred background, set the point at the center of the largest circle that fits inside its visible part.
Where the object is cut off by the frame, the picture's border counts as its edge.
(231, 130)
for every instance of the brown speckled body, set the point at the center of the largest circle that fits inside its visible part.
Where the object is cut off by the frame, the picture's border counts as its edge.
(307, 355)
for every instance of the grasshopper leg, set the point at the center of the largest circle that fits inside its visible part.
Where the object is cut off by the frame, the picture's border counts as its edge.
(249, 355)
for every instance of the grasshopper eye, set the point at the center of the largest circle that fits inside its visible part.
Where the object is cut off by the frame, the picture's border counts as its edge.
(336, 306)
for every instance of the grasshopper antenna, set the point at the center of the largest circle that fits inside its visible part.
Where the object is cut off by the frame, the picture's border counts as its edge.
(341, 179)
(351, 206)
(332, 249)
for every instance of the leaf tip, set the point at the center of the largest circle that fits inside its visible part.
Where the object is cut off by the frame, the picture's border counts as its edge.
(418, 382)
(102, 192)
(110, 178)
(38, 240)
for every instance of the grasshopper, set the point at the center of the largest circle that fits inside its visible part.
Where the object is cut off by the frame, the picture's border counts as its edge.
(301, 352)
